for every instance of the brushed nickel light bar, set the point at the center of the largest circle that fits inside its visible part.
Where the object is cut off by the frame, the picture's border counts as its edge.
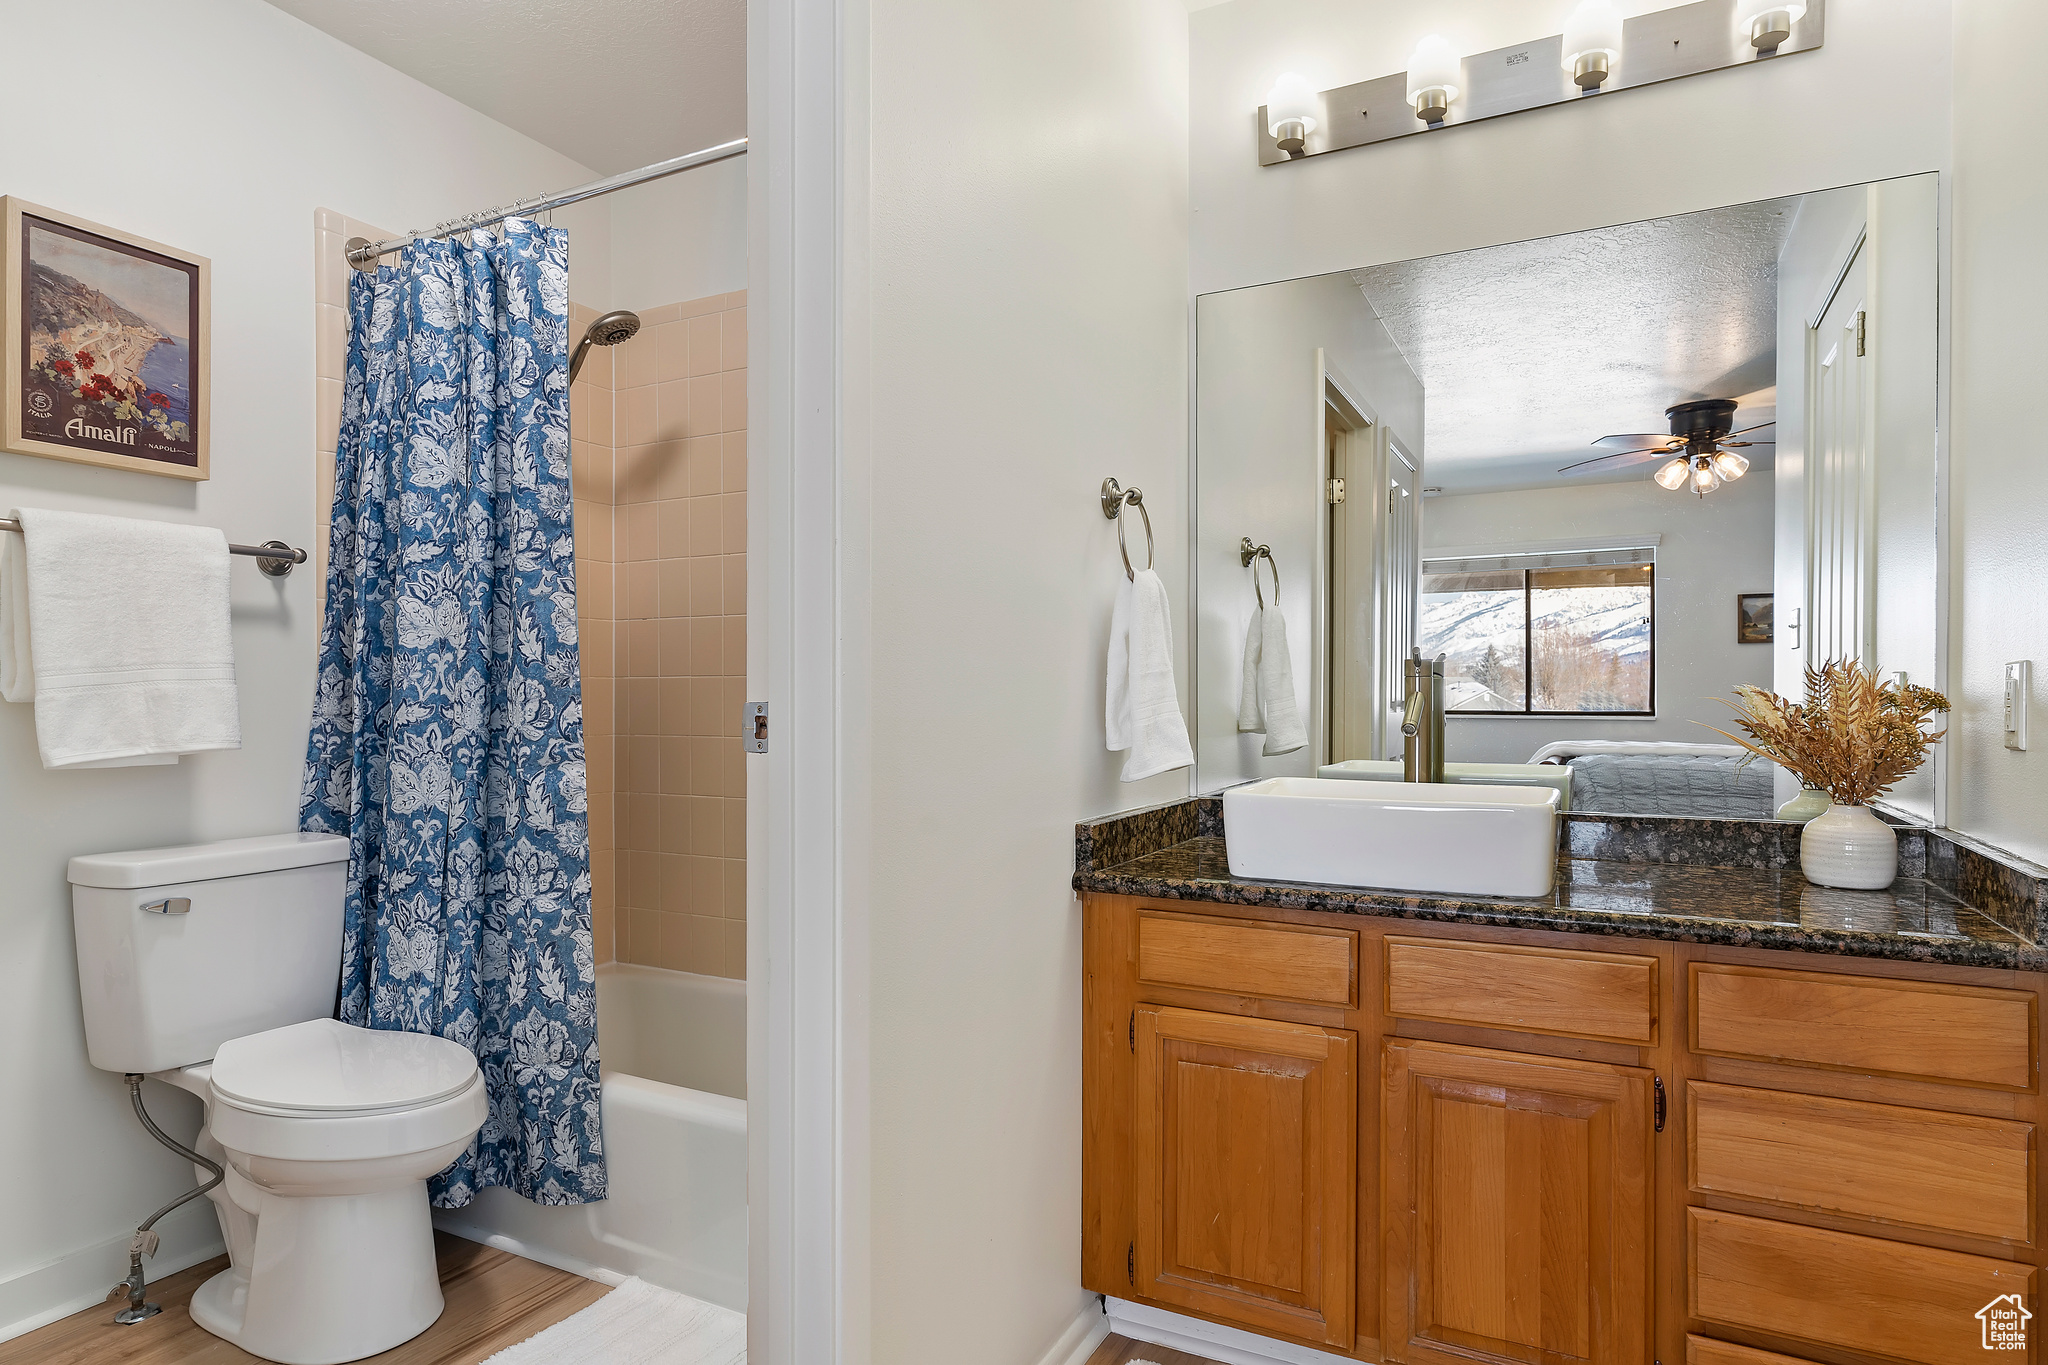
(1710, 35)
(363, 253)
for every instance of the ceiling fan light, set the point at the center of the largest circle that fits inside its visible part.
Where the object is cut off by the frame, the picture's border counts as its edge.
(1704, 479)
(1673, 475)
(1729, 465)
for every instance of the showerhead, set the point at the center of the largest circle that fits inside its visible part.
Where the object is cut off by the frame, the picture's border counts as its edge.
(609, 330)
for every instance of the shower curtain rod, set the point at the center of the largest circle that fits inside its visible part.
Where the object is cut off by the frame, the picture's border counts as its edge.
(363, 254)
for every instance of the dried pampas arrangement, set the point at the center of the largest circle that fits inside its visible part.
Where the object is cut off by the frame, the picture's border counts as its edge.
(1854, 737)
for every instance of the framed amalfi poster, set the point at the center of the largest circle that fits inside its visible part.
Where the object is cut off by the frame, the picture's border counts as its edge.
(105, 346)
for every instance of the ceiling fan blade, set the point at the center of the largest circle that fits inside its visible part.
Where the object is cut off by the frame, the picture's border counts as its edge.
(1726, 444)
(1659, 437)
(1758, 427)
(1632, 456)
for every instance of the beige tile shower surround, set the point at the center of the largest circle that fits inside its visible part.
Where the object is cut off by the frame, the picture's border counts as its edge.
(659, 458)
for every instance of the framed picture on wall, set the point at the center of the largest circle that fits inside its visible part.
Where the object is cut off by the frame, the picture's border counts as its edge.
(1753, 618)
(106, 346)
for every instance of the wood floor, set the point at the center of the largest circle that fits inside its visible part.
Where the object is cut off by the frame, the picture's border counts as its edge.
(495, 1299)
(1116, 1350)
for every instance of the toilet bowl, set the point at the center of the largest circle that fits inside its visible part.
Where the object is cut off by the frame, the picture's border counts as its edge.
(213, 968)
(329, 1133)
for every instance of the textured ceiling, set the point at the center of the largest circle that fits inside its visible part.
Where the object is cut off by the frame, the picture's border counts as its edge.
(1528, 351)
(615, 85)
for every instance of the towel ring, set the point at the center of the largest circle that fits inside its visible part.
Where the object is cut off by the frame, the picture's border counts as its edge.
(1248, 555)
(1114, 500)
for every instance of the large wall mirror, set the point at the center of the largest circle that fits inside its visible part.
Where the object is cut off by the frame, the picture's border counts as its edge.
(1608, 476)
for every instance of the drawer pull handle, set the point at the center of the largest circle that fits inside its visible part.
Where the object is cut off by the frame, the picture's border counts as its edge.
(170, 905)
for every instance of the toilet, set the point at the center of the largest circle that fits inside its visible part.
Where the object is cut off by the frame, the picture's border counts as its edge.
(214, 968)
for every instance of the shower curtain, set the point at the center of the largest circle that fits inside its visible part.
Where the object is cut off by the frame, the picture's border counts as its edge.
(447, 734)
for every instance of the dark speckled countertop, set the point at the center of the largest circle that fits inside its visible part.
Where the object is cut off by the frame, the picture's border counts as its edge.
(1693, 881)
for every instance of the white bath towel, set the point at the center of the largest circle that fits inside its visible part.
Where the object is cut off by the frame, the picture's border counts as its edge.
(117, 630)
(1267, 704)
(1143, 707)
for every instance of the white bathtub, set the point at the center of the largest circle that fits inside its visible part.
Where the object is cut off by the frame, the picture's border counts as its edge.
(675, 1141)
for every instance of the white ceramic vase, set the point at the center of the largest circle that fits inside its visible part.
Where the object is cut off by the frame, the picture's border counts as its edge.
(1848, 846)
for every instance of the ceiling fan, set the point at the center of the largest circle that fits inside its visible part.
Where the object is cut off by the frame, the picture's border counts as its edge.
(1698, 453)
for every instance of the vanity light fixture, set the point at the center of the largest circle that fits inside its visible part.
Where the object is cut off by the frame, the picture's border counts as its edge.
(1434, 72)
(1592, 43)
(1599, 52)
(1769, 22)
(1292, 106)
(1674, 475)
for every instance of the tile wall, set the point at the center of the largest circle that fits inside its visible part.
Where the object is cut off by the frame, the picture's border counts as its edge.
(669, 457)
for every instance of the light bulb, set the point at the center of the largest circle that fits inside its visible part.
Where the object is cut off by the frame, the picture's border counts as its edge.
(1704, 479)
(1729, 465)
(1292, 108)
(1592, 43)
(1769, 22)
(1433, 75)
(1673, 475)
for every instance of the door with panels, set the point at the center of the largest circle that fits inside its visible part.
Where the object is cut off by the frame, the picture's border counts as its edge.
(1516, 1208)
(1246, 1170)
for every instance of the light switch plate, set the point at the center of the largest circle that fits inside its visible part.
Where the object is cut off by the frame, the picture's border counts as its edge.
(2019, 686)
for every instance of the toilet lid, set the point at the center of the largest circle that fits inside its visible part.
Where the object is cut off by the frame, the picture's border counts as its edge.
(324, 1066)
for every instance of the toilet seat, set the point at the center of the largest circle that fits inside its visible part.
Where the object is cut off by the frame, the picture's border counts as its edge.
(323, 1068)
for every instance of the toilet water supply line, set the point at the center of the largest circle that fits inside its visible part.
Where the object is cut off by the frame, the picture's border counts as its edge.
(144, 1242)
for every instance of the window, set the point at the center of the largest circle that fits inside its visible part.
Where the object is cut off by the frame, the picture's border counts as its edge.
(1569, 633)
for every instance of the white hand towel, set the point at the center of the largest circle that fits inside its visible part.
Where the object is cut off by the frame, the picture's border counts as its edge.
(1248, 719)
(1277, 704)
(117, 630)
(1143, 708)
(1267, 705)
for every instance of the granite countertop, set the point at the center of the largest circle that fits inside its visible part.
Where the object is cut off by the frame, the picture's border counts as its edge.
(1670, 889)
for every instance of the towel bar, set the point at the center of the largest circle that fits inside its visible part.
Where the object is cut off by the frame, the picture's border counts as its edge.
(1247, 555)
(1114, 499)
(274, 557)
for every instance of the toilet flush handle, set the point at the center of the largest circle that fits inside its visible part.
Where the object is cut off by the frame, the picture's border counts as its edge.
(170, 905)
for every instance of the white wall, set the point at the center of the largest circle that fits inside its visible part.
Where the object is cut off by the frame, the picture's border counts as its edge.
(679, 239)
(1997, 534)
(1710, 550)
(1259, 447)
(1024, 335)
(249, 121)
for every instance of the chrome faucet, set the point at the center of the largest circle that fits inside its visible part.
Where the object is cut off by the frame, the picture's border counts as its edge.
(1422, 719)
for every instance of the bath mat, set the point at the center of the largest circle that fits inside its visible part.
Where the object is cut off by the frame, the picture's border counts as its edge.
(638, 1324)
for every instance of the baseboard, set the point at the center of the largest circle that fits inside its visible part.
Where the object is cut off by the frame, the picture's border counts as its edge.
(447, 1221)
(1228, 1345)
(1080, 1338)
(77, 1281)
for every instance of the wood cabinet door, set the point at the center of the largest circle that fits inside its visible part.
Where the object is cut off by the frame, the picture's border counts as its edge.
(1247, 1170)
(1516, 1208)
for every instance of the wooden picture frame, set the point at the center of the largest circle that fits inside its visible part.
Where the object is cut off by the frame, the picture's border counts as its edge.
(107, 345)
(1753, 619)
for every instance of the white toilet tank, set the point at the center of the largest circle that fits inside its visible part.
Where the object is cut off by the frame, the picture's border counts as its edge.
(181, 949)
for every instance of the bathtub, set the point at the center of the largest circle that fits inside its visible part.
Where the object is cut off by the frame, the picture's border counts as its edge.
(675, 1140)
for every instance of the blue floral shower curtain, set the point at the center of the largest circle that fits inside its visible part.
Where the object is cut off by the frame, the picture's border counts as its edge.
(447, 735)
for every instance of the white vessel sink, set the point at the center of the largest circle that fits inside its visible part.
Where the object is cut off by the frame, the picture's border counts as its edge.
(1405, 836)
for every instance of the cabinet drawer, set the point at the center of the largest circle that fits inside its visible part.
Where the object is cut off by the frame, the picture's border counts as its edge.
(1889, 1299)
(1706, 1351)
(1608, 996)
(1238, 957)
(1914, 1167)
(1969, 1035)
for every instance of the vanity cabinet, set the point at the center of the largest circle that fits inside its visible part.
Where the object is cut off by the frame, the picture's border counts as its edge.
(1246, 1169)
(1517, 1207)
(1407, 1141)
